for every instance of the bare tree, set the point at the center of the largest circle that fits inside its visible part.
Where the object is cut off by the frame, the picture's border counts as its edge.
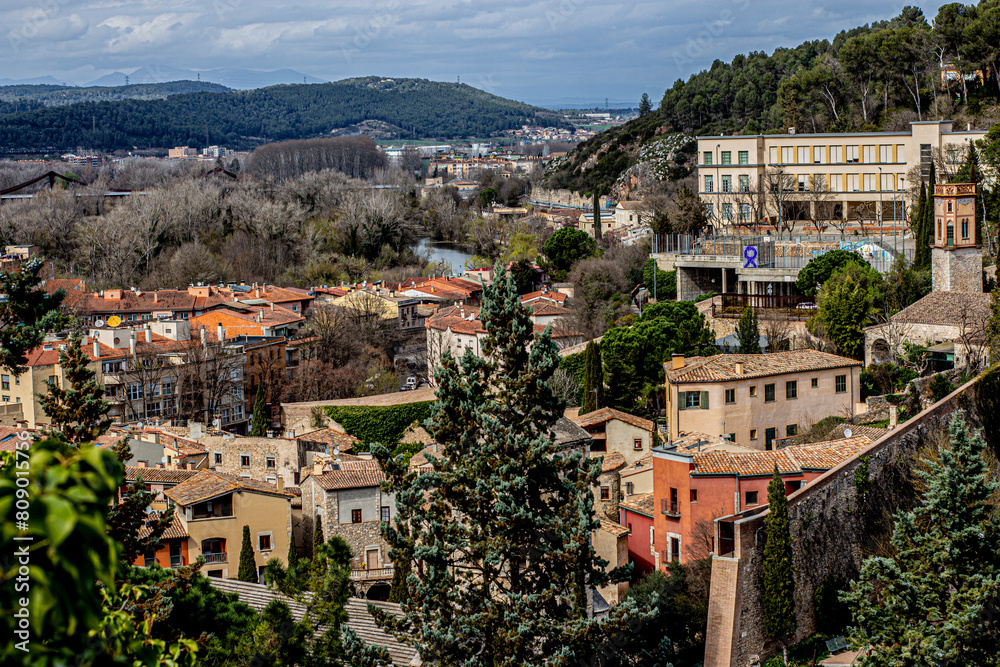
(777, 330)
(781, 193)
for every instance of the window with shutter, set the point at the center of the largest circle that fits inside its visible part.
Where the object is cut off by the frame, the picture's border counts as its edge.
(704, 400)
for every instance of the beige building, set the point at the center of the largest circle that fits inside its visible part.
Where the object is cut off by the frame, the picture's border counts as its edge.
(616, 431)
(210, 511)
(746, 179)
(755, 399)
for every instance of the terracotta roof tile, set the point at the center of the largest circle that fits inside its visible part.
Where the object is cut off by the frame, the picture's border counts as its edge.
(207, 484)
(641, 504)
(613, 528)
(952, 308)
(158, 475)
(352, 475)
(612, 461)
(456, 318)
(790, 460)
(175, 530)
(722, 367)
(602, 415)
(544, 295)
(329, 436)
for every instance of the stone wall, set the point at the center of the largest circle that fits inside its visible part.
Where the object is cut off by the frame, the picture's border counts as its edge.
(569, 198)
(834, 521)
(957, 270)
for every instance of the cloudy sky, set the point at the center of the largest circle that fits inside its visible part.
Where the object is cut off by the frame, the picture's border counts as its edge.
(539, 51)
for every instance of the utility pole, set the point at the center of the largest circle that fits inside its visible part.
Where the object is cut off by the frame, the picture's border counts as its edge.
(881, 219)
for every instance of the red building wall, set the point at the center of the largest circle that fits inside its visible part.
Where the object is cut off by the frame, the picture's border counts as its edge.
(638, 539)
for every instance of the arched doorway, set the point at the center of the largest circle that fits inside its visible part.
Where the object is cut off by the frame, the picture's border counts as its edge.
(378, 592)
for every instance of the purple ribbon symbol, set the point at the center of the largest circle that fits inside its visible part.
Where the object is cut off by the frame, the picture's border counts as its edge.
(750, 255)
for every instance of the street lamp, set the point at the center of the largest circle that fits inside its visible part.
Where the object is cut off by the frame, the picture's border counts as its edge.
(880, 218)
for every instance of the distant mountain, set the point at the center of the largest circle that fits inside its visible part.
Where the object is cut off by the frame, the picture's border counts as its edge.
(392, 108)
(49, 95)
(239, 79)
(37, 81)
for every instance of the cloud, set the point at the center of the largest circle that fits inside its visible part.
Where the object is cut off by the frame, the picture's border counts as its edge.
(528, 49)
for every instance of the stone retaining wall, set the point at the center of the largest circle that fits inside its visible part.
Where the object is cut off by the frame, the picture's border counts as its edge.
(833, 523)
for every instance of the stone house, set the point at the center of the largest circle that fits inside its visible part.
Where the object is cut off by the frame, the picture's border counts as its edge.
(352, 504)
(616, 431)
(753, 399)
(262, 459)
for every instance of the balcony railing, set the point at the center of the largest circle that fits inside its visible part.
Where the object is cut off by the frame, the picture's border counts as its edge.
(216, 557)
(177, 561)
(367, 575)
(670, 508)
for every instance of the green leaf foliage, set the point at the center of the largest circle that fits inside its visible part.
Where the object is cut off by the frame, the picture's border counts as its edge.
(748, 333)
(566, 247)
(935, 600)
(847, 304)
(78, 411)
(819, 269)
(384, 425)
(665, 285)
(593, 379)
(26, 314)
(248, 566)
(259, 421)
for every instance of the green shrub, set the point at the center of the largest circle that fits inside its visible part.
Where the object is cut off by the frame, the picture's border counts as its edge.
(940, 387)
(382, 424)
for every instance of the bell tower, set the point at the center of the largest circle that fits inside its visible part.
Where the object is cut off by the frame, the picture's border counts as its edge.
(956, 256)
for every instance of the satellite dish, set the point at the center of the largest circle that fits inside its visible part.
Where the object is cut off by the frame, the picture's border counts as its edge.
(139, 425)
(114, 321)
(99, 324)
(336, 451)
(847, 433)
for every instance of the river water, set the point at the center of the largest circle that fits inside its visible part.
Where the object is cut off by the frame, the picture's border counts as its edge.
(454, 254)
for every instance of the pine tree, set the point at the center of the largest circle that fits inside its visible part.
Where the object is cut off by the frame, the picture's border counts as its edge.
(77, 412)
(921, 253)
(248, 566)
(778, 577)
(936, 600)
(260, 421)
(26, 314)
(502, 526)
(645, 106)
(748, 333)
(593, 379)
(138, 532)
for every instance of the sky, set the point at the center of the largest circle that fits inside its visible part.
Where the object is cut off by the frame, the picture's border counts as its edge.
(546, 52)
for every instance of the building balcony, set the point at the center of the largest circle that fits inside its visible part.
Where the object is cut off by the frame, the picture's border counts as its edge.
(671, 509)
(368, 575)
(212, 558)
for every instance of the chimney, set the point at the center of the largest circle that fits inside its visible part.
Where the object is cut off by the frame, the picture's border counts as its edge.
(156, 297)
(317, 468)
(220, 332)
(281, 484)
(204, 337)
(893, 417)
(131, 343)
(678, 361)
(141, 464)
(196, 430)
(190, 465)
(97, 349)
(272, 306)
(739, 368)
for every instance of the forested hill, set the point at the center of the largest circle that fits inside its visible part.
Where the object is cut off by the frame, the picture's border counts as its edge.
(880, 76)
(399, 108)
(27, 98)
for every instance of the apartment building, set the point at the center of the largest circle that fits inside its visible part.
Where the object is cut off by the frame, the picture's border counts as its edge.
(754, 399)
(745, 180)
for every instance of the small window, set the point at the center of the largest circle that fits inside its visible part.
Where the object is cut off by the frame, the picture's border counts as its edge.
(270, 462)
(605, 493)
(637, 443)
(384, 514)
(629, 488)
(355, 516)
(753, 391)
(244, 460)
(217, 457)
(264, 542)
(791, 429)
(744, 157)
(694, 495)
(730, 396)
(791, 390)
(732, 437)
(692, 399)
(814, 383)
(769, 393)
(751, 498)
(675, 549)
(727, 157)
(707, 157)
(753, 434)
(841, 384)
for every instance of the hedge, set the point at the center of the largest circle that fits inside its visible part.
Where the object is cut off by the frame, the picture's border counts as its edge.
(382, 424)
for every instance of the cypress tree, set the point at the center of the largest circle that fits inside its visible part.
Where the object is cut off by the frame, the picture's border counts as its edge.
(921, 252)
(778, 577)
(77, 412)
(928, 230)
(259, 422)
(502, 526)
(748, 333)
(248, 567)
(593, 379)
(935, 600)
(318, 538)
(293, 555)
(597, 214)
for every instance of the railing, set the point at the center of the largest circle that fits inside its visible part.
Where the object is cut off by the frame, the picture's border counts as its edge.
(733, 305)
(177, 561)
(214, 558)
(670, 508)
(377, 573)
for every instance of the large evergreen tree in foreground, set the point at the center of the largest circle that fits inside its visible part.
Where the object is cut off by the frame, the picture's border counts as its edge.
(26, 314)
(500, 532)
(936, 600)
(78, 411)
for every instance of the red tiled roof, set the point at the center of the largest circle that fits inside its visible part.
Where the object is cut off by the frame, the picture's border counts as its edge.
(790, 460)
(642, 464)
(175, 530)
(352, 475)
(722, 367)
(544, 308)
(158, 475)
(613, 528)
(602, 415)
(641, 504)
(207, 484)
(329, 436)
(456, 318)
(612, 461)
(545, 295)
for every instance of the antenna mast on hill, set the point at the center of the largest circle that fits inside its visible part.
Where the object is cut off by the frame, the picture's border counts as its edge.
(126, 79)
